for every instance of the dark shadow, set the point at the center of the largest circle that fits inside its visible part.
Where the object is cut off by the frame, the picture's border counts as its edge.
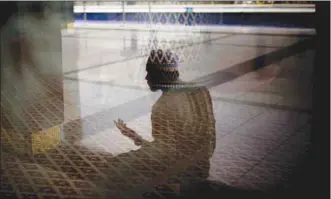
(214, 190)
(318, 166)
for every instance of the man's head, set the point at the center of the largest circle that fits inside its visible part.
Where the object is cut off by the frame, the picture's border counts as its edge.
(162, 69)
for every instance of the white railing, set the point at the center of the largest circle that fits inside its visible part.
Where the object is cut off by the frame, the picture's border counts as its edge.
(206, 8)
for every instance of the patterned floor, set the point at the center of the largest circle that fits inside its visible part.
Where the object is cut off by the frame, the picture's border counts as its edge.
(262, 135)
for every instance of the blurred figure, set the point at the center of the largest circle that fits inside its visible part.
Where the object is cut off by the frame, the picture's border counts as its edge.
(183, 124)
(30, 55)
(32, 40)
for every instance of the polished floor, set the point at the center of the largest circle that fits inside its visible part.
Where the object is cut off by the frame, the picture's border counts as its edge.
(70, 147)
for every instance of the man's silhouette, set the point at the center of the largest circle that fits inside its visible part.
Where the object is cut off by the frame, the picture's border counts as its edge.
(183, 126)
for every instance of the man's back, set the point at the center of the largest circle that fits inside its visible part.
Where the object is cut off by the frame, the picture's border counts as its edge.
(183, 121)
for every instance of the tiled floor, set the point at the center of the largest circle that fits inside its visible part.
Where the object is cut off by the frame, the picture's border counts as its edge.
(262, 124)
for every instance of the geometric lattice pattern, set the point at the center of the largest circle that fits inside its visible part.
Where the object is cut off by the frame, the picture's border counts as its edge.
(182, 38)
(256, 148)
(73, 171)
(188, 18)
(66, 169)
